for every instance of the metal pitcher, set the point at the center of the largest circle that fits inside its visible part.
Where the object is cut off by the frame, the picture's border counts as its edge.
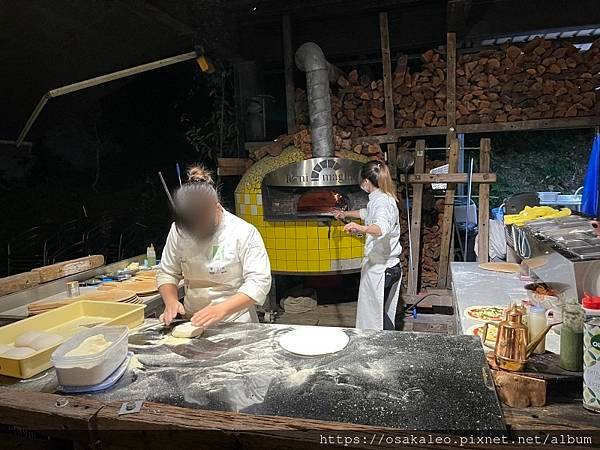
(513, 349)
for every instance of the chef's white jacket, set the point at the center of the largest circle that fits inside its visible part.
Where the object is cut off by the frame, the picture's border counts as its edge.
(234, 260)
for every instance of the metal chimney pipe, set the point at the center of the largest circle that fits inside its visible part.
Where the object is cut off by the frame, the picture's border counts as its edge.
(310, 59)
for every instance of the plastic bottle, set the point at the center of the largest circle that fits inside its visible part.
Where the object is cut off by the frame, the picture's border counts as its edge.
(537, 323)
(571, 337)
(151, 255)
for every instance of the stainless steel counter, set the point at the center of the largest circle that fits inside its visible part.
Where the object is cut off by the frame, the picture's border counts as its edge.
(472, 286)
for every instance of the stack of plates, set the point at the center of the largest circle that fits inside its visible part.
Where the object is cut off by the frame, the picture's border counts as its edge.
(104, 295)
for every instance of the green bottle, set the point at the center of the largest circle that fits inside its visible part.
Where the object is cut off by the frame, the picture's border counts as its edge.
(571, 336)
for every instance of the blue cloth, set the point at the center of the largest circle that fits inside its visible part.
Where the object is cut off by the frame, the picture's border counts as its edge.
(589, 202)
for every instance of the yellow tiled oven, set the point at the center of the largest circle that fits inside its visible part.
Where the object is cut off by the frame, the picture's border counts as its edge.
(289, 198)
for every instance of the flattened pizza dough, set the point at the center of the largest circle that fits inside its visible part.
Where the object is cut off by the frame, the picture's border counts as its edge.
(485, 313)
(313, 341)
(500, 267)
(19, 352)
(187, 330)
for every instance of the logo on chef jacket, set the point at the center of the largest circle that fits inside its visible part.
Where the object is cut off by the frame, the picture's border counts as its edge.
(216, 268)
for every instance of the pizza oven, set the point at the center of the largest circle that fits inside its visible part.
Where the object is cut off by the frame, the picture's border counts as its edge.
(310, 189)
(289, 198)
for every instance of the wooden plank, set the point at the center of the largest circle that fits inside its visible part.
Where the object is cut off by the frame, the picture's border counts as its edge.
(569, 416)
(448, 217)
(40, 411)
(451, 80)
(424, 178)
(484, 203)
(66, 268)
(231, 166)
(387, 88)
(288, 70)
(417, 209)
(18, 282)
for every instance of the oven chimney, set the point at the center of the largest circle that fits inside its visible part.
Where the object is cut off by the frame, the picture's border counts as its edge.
(310, 59)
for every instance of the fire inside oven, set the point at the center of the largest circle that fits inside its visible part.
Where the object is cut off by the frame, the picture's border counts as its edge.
(283, 203)
(321, 201)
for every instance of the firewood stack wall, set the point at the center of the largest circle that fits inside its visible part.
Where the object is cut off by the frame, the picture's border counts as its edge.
(541, 79)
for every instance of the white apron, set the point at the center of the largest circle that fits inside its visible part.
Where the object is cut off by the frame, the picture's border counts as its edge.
(369, 312)
(212, 277)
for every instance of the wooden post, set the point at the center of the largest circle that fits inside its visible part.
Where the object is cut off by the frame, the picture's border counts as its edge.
(417, 208)
(451, 84)
(484, 203)
(448, 217)
(387, 88)
(288, 68)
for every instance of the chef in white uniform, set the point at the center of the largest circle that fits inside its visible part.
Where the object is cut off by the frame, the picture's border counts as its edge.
(381, 271)
(221, 259)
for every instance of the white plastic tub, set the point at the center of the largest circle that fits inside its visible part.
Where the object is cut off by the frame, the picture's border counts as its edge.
(91, 369)
(548, 197)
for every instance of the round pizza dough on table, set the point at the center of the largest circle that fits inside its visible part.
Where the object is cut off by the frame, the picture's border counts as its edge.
(314, 341)
(187, 330)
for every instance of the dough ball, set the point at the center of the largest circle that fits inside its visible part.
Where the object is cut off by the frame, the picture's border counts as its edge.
(19, 352)
(4, 348)
(25, 339)
(45, 341)
(187, 330)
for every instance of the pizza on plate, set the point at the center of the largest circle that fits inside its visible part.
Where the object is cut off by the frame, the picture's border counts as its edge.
(485, 313)
(477, 330)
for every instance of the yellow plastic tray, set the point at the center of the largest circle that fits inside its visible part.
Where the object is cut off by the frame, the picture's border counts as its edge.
(65, 321)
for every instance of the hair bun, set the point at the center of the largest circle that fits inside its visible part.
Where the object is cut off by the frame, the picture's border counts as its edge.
(199, 174)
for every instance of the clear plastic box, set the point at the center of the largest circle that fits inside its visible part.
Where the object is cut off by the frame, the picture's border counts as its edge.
(91, 369)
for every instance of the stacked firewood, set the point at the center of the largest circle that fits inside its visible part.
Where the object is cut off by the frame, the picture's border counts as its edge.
(420, 97)
(431, 238)
(302, 139)
(542, 79)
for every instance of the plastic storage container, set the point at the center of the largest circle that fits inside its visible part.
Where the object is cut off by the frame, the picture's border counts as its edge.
(91, 369)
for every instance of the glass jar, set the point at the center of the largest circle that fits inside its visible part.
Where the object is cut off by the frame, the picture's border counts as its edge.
(571, 337)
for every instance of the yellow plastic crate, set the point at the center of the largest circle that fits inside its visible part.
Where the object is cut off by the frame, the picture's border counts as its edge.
(65, 321)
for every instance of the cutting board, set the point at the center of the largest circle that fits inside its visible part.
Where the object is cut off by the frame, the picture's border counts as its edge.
(18, 282)
(66, 268)
(500, 267)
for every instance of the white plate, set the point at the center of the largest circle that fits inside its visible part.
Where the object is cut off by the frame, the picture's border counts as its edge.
(314, 341)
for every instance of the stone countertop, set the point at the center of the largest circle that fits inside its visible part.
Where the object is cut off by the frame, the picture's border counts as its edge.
(393, 379)
(472, 286)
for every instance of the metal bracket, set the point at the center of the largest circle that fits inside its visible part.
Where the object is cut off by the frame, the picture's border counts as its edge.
(131, 407)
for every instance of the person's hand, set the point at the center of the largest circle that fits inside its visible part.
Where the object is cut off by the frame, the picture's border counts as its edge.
(354, 228)
(209, 315)
(171, 311)
(338, 213)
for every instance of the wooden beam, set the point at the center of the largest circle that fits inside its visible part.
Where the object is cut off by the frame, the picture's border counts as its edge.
(288, 68)
(461, 178)
(448, 220)
(387, 88)
(451, 82)
(231, 166)
(524, 125)
(483, 241)
(417, 209)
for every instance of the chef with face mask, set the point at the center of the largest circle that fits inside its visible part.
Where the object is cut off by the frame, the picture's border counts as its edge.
(381, 273)
(221, 259)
